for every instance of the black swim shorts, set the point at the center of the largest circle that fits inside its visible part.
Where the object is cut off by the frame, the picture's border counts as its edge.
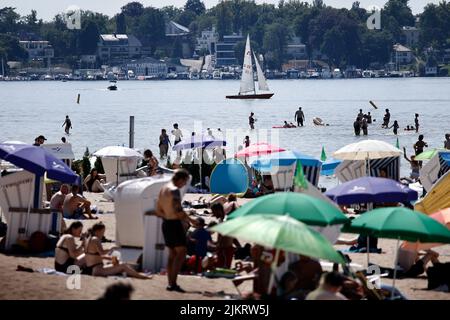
(174, 233)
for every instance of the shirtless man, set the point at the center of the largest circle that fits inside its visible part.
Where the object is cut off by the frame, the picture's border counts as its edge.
(169, 208)
(75, 205)
(57, 202)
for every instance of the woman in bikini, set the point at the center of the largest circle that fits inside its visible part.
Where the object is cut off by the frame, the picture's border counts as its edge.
(67, 253)
(95, 254)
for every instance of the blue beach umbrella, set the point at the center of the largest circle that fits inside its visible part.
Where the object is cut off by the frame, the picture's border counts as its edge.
(206, 142)
(229, 176)
(371, 190)
(37, 160)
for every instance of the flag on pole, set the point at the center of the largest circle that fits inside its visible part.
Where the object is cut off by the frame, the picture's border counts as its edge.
(299, 178)
(323, 156)
(397, 144)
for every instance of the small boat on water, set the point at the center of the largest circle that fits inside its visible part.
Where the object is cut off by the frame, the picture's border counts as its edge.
(247, 81)
(112, 86)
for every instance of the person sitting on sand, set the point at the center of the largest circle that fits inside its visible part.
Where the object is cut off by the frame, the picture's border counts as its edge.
(224, 245)
(67, 253)
(412, 264)
(76, 206)
(201, 239)
(152, 163)
(330, 285)
(231, 204)
(95, 254)
(308, 272)
(267, 185)
(93, 181)
(56, 205)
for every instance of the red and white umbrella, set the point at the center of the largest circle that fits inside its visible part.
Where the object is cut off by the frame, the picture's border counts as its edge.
(258, 149)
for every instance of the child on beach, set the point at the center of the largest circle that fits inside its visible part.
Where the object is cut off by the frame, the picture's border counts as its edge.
(201, 238)
(395, 126)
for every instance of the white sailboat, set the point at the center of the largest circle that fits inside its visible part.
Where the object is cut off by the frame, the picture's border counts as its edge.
(247, 89)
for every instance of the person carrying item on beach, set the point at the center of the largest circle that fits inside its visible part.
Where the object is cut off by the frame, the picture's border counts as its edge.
(386, 119)
(152, 163)
(251, 120)
(357, 127)
(164, 142)
(395, 126)
(56, 205)
(68, 124)
(93, 182)
(364, 126)
(299, 117)
(329, 288)
(416, 122)
(415, 166)
(420, 145)
(76, 206)
(95, 254)
(201, 239)
(67, 253)
(176, 132)
(447, 141)
(246, 142)
(170, 209)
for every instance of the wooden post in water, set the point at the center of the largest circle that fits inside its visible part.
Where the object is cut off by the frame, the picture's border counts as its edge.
(131, 132)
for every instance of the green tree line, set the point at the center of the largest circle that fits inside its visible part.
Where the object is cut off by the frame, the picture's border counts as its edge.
(340, 35)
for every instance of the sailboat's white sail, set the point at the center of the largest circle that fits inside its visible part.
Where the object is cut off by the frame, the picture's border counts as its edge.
(247, 83)
(262, 83)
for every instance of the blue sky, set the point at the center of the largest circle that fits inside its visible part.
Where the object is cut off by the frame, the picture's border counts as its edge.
(47, 9)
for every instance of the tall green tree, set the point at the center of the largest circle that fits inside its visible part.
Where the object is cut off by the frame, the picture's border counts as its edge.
(89, 37)
(274, 43)
(195, 6)
(224, 19)
(10, 48)
(9, 19)
(133, 9)
(121, 24)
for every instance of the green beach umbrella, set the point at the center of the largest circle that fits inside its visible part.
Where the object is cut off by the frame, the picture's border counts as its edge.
(299, 178)
(427, 155)
(282, 233)
(302, 207)
(323, 156)
(401, 224)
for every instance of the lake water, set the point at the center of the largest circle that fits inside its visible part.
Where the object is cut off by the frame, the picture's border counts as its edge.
(28, 109)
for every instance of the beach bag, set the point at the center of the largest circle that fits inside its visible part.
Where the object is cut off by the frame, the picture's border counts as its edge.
(38, 242)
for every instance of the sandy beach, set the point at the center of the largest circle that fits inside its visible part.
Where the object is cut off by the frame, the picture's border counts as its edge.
(23, 285)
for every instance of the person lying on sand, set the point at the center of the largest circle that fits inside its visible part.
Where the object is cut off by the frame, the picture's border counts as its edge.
(95, 254)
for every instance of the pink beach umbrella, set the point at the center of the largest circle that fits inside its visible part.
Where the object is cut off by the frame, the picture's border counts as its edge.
(443, 216)
(258, 149)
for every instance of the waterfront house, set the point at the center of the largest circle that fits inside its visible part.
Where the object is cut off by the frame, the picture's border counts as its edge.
(207, 41)
(225, 55)
(147, 67)
(410, 36)
(118, 48)
(37, 50)
(402, 54)
(295, 49)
